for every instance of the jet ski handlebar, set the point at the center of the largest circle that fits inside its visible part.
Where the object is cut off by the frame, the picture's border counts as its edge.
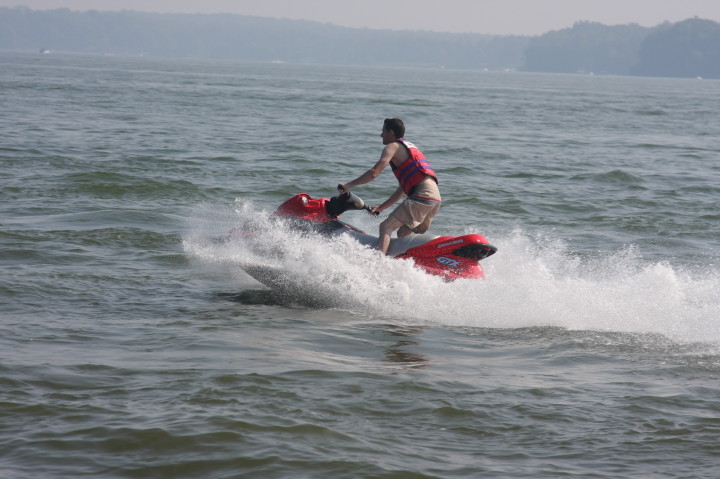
(337, 205)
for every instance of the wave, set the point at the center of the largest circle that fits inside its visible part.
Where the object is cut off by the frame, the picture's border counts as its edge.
(534, 280)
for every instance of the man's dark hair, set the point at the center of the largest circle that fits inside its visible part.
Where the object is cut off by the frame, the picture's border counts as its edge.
(396, 125)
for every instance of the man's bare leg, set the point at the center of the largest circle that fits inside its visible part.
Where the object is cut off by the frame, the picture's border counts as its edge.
(404, 231)
(388, 225)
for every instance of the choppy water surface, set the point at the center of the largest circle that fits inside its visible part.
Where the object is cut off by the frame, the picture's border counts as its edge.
(132, 345)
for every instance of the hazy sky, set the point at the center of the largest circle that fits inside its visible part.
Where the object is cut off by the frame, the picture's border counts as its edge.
(528, 17)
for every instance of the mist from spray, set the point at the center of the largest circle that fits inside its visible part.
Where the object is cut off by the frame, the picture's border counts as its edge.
(533, 281)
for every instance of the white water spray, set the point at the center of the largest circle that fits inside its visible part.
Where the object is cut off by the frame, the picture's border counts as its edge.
(531, 281)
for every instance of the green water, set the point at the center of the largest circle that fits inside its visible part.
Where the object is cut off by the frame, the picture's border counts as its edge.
(133, 346)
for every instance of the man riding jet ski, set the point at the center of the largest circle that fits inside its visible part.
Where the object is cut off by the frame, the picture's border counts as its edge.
(451, 257)
(417, 182)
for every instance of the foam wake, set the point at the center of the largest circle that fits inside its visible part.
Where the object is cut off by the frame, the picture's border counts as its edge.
(533, 281)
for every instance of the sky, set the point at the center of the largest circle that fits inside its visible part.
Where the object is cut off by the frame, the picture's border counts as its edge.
(496, 17)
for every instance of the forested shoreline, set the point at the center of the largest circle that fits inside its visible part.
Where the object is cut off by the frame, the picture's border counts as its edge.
(690, 48)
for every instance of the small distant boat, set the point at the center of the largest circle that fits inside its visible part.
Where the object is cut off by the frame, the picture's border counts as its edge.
(44, 51)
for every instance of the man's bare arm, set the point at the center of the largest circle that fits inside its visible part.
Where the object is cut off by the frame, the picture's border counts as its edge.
(385, 157)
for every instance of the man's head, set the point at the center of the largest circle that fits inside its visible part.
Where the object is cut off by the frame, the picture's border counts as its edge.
(396, 126)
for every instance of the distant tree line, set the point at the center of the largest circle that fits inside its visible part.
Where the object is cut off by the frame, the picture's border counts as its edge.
(685, 49)
(241, 37)
(586, 47)
(689, 48)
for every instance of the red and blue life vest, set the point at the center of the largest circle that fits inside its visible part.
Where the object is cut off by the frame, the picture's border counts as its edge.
(413, 170)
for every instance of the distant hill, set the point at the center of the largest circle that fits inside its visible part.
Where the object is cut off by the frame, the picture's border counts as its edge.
(240, 37)
(586, 47)
(685, 49)
(689, 48)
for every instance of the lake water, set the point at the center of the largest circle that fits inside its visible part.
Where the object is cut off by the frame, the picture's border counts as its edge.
(133, 346)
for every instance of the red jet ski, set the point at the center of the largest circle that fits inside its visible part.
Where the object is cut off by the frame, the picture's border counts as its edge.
(451, 257)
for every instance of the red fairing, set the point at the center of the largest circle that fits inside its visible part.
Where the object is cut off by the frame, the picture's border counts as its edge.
(303, 206)
(451, 256)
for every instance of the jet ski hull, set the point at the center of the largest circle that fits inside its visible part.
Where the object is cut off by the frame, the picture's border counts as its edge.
(450, 257)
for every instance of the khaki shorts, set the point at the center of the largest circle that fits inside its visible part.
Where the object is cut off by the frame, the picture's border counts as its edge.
(412, 213)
